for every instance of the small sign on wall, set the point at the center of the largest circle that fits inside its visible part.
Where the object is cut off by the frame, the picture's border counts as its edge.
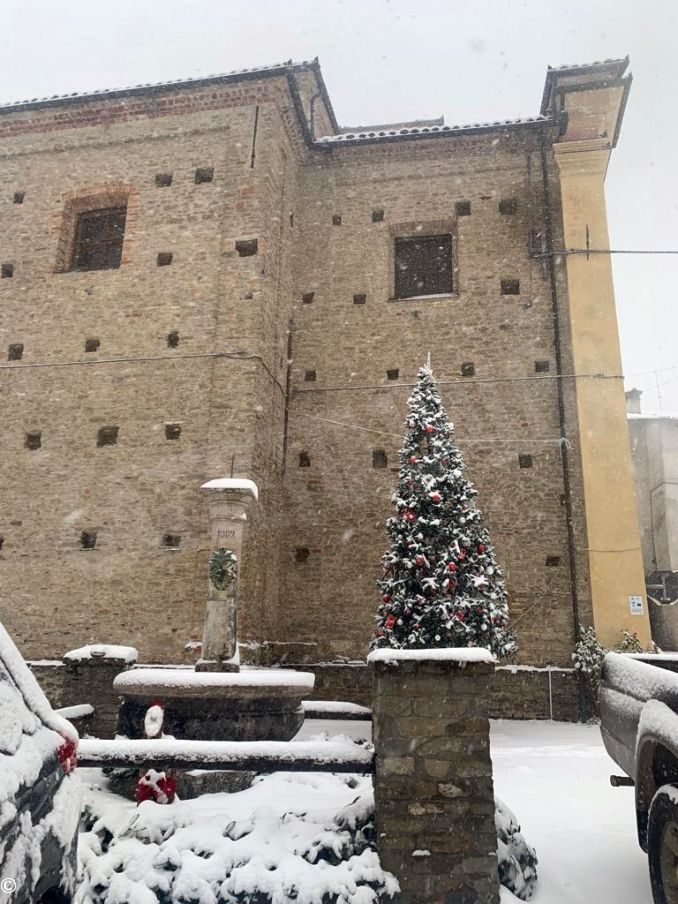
(636, 605)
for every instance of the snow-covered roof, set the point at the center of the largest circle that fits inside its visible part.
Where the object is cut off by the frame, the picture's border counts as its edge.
(449, 654)
(390, 133)
(612, 69)
(232, 483)
(145, 87)
(652, 416)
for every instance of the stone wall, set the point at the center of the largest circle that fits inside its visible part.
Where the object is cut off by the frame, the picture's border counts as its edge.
(87, 681)
(433, 789)
(513, 692)
(251, 330)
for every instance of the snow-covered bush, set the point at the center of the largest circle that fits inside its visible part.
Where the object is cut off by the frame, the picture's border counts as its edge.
(231, 849)
(630, 643)
(517, 860)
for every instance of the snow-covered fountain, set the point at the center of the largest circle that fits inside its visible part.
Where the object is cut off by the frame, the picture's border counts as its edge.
(218, 700)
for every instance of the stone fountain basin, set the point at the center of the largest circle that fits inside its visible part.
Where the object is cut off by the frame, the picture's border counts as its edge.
(250, 705)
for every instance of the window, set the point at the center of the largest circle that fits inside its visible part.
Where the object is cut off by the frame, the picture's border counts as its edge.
(98, 239)
(19, 197)
(7, 271)
(378, 216)
(204, 174)
(163, 180)
(172, 431)
(304, 460)
(92, 345)
(15, 352)
(525, 460)
(33, 440)
(173, 339)
(171, 541)
(310, 376)
(463, 208)
(423, 266)
(468, 369)
(393, 373)
(164, 258)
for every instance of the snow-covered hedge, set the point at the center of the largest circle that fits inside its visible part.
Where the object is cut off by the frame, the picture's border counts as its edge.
(517, 860)
(244, 848)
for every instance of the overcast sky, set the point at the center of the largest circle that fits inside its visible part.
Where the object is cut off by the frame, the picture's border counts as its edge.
(397, 59)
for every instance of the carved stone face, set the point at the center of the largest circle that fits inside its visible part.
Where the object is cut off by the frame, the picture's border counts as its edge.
(223, 569)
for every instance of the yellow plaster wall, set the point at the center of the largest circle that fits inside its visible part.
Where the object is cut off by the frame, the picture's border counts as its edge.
(615, 560)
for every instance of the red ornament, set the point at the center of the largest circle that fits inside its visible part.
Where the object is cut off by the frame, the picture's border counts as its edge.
(429, 428)
(459, 616)
(436, 498)
(462, 554)
(413, 459)
(481, 548)
(390, 621)
(158, 787)
(386, 598)
(452, 567)
(410, 516)
(419, 560)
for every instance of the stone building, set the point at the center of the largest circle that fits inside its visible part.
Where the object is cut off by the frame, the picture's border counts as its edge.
(211, 277)
(654, 452)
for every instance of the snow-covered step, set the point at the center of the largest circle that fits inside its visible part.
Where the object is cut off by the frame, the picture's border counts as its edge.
(249, 756)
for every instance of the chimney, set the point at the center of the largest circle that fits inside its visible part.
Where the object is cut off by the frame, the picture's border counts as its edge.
(633, 401)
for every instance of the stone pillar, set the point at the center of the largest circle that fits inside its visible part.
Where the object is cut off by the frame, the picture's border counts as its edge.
(89, 675)
(434, 797)
(228, 500)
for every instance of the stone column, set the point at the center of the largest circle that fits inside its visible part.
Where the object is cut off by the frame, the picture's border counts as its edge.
(228, 500)
(434, 797)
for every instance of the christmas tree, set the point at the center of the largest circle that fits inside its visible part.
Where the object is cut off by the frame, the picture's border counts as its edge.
(442, 586)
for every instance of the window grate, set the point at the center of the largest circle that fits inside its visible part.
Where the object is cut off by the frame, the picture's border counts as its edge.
(423, 266)
(98, 239)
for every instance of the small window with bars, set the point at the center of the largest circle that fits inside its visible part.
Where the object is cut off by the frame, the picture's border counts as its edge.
(98, 239)
(423, 266)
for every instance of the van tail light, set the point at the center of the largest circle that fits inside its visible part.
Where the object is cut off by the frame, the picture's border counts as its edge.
(68, 755)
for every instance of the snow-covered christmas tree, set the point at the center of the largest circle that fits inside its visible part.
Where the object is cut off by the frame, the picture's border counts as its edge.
(442, 586)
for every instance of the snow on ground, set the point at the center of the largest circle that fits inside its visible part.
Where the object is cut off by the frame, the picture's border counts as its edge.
(555, 776)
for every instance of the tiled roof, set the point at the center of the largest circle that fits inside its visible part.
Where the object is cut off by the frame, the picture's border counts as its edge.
(386, 133)
(574, 66)
(149, 86)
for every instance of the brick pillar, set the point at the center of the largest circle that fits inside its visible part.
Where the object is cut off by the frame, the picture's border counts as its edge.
(433, 782)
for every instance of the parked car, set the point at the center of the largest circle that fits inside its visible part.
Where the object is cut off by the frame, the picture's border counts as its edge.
(639, 725)
(39, 796)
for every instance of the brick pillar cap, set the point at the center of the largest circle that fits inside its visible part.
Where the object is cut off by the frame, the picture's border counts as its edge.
(446, 654)
(239, 484)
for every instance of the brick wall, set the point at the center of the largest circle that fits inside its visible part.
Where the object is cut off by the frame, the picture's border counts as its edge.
(254, 411)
